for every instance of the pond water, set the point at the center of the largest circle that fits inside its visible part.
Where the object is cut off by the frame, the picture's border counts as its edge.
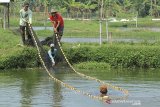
(34, 88)
(96, 39)
(155, 29)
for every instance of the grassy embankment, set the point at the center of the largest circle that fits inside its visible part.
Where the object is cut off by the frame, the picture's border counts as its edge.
(118, 54)
(12, 55)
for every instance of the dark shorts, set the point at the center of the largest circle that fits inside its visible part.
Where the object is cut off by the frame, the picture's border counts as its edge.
(26, 39)
(60, 30)
(22, 28)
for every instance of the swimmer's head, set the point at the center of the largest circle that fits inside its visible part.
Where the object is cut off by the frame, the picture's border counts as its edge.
(103, 89)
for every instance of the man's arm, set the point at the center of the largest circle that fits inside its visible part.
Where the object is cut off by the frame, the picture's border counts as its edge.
(30, 16)
(50, 55)
(59, 21)
(57, 25)
(52, 21)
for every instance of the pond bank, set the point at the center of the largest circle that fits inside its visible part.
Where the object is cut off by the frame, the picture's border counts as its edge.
(125, 56)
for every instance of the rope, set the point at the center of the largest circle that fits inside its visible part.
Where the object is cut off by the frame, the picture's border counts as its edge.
(92, 78)
(55, 79)
(83, 75)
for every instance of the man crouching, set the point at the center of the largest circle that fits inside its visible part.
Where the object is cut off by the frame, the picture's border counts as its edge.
(52, 53)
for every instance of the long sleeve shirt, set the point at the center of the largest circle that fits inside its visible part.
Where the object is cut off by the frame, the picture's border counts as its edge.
(25, 16)
(52, 55)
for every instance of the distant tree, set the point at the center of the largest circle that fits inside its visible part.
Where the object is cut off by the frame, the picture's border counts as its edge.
(111, 8)
(155, 8)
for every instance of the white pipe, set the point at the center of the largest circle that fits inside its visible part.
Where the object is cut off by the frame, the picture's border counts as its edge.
(4, 18)
(100, 36)
(107, 30)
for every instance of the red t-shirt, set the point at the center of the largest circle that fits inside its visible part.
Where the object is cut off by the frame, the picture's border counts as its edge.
(57, 17)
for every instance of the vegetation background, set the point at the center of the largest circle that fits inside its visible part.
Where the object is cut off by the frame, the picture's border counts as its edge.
(87, 8)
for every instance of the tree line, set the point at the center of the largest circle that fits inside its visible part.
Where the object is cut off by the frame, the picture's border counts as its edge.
(111, 8)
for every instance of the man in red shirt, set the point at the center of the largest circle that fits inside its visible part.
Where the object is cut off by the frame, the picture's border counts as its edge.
(57, 22)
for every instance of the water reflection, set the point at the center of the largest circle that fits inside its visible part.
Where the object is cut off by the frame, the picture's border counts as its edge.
(57, 90)
(28, 85)
(57, 96)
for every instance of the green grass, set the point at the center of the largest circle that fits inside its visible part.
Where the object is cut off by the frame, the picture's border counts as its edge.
(7, 38)
(86, 29)
(89, 55)
(13, 55)
(135, 34)
(90, 28)
(8, 42)
(44, 33)
(143, 54)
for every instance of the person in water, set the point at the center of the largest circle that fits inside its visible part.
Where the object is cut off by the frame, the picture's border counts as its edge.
(103, 90)
(52, 53)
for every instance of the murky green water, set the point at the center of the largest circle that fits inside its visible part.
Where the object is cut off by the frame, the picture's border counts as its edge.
(34, 88)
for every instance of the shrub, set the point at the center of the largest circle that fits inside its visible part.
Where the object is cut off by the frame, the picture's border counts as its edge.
(124, 56)
(23, 58)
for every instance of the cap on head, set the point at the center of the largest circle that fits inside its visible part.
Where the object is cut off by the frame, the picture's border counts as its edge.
(51, 45)
(53, 11)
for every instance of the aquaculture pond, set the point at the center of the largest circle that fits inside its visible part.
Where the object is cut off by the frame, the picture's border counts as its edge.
(34, 88)
(120, 34)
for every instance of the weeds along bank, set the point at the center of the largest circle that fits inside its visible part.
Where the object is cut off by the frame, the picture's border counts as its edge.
(23, 58)
(12, 55)
(126, 56)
